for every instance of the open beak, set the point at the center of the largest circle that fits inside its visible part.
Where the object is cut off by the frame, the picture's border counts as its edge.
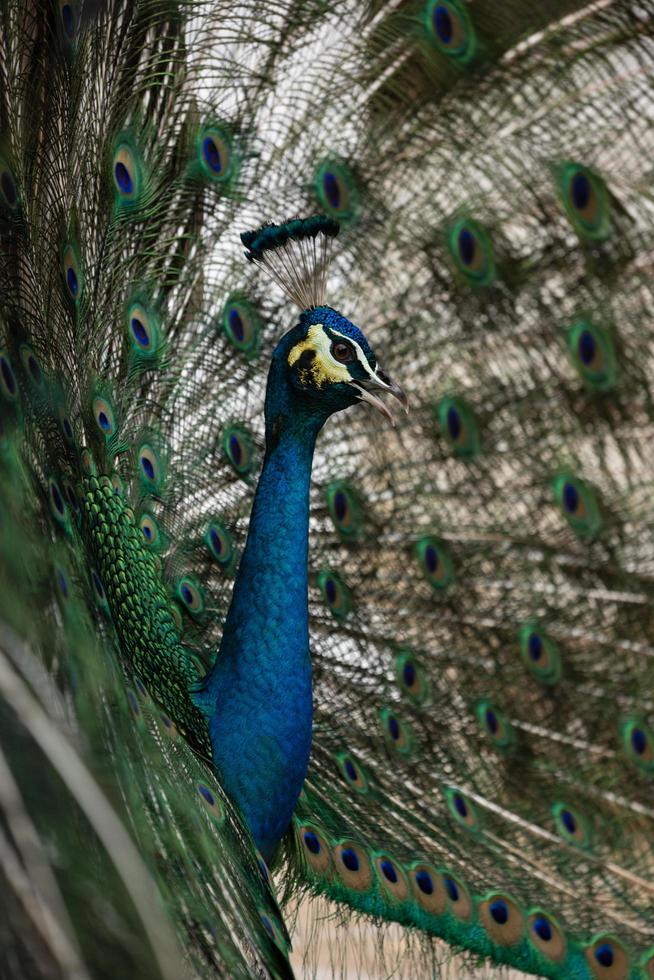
(379, 381)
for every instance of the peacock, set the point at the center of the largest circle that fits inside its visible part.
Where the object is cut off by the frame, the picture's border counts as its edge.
(326, 502)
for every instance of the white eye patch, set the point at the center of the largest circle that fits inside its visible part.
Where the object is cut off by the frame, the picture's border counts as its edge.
(361, 357)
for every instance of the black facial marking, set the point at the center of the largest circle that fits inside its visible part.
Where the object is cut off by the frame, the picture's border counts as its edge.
(306, 359)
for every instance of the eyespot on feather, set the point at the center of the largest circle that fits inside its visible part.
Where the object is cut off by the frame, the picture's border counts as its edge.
(220, 542)
(352, 772)
(57, 502)
(105, 419)
(69, 19)
(33, 369)
(149, 467)
(191, 595)
(315, 848)
(214, 149)
(578, 504)
(143, 331)
(461, 808)
(335, 593)
(572, 825)
(495, 725)
(241, 324)
(539, 653)
(168, 727)
(353, 865)
(459, 902)
(273, 930)
(428, 888)
(546, 935)
(72, 273)
(238, 449)
(344, 509)
(211, 802)
(593, 354)
(435, 562)
(150, 531)
(502, 919)
(472, 252)
(450, 30)
(66, 426)
(127, 174)
(397, 734)
(638, 743)
(411, 677)
(336, 190)
(458, 427)
(607, 958)
(585, 200)
(393, 880)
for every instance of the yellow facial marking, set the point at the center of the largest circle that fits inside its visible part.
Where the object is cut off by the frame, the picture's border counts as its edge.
(324, 369)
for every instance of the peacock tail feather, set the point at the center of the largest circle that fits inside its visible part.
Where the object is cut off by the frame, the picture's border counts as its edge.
(480, 577)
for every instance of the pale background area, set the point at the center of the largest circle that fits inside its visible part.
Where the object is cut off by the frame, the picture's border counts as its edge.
(321, 937)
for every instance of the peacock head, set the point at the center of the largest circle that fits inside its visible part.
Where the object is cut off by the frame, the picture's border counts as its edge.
(325, 363)
(331, 362)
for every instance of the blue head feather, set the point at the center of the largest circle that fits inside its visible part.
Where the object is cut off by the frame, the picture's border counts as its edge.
(335, 321)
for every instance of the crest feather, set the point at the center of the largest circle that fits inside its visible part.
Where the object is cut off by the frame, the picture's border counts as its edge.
(296, 255)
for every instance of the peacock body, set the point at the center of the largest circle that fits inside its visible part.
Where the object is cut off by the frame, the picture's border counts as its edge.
(454, 732)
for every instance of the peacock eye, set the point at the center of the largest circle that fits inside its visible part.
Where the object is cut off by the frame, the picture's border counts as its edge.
(343, 352)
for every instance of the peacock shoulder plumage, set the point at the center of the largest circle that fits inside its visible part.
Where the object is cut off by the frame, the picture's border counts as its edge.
(255, 648)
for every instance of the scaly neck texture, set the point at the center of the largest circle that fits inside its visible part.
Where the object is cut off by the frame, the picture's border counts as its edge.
(126, 579)
(258, 697)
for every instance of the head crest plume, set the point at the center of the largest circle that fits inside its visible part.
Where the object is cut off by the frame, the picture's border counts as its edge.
(295, 255)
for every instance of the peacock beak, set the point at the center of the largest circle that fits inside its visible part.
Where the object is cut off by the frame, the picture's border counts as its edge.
(380, 381)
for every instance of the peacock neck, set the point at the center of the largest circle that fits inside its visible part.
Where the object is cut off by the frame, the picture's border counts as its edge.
(258, 696)
(272, 580)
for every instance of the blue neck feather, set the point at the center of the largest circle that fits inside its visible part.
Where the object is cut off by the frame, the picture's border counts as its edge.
(258, 696)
